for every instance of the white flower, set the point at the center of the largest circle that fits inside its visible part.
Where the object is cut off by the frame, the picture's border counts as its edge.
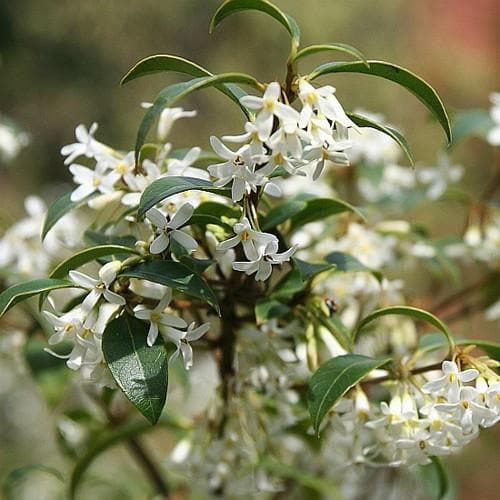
(323, 101)
(254, 242)
(251, 136)
(66, 326)
(450, 382)
(99, 287)
(170, 229)
(183, 166)
(167, 119)
(182, 339)
(239, 167)
(139, 182)
(157, 317)
(86, 145)
(92, 180)
(468, 409)
(262, 265)
(493, 136)
(269, 106)
(327, 153)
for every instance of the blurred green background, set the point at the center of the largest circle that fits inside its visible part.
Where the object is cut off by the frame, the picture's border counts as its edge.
(61, 63)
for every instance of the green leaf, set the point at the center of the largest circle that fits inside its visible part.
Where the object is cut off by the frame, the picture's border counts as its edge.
(95, 238)
(197, 265)
(349, 264)
(58, 209)
(326, 47)
(281, 213)
(139, 370)
(435, 479)
(17, 293)
(165, 62)
(362, 121)
(474, 122)
(174, 275)
(416, 85)
(168, 186)
(309, 270)
(173, 93)
(14, 480)
(333, 379)
(267, 308)
(217, 210)
(320, 208)
(290, 284)
(230, 7)
(433, 341)
(412, 312)
(88, 255)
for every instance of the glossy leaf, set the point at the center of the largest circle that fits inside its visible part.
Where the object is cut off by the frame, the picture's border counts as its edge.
(165, 62)
(309, 270)
(96, 238)
(168, 186)
(408, 311)
(58, 209)
(335, 326)
(17, 293)
(320, 208)
(333, 379)
(281, 213)
(174, 275)
(173, 93)
(139, 370)
(416, 85)
(230, 7)
(328, 47)
(362, 121)
(217, 210)
(347, 263)
(88, 255)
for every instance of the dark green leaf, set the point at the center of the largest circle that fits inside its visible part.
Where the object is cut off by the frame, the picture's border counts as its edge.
(168, 186)
(435, 479)
(418, 87)
(166, 62)
(199, 266)
(139, 370)
(88, 255)
(230, 7)
(288, 286)
(174, 275)
(320, 208)
(362, 121)
(267, 308)
(173, 93)
(335, 326)
(95, 238)
(475, 122)
(333, 379)
(308, 270)
(339, 47)
(412, 312)
(349, 264)
(23, 291)
(217, 210)
(58, 209)
(282, 212)
(205, 219)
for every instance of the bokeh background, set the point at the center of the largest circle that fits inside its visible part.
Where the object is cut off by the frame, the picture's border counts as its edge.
(61, 64)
